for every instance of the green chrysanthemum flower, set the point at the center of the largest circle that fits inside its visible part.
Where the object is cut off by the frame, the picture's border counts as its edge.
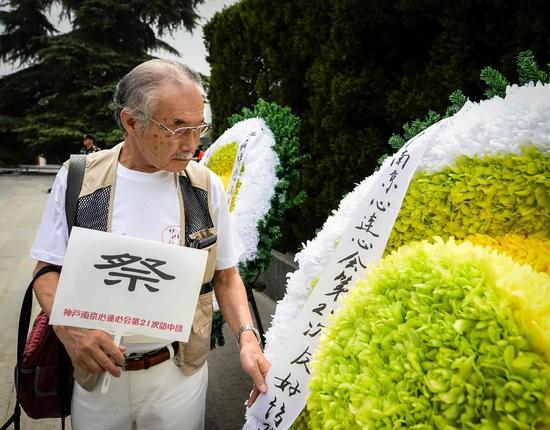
(494, 195)
(441, 336)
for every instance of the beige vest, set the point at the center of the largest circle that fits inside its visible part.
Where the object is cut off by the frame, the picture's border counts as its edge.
(94, 211)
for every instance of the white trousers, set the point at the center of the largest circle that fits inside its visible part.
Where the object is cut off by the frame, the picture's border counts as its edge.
(159, 398)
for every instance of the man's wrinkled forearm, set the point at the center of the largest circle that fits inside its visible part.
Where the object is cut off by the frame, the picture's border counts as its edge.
(44, 288)
(231, 296)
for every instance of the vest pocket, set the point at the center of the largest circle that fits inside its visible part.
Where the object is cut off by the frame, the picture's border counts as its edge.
(195, 351)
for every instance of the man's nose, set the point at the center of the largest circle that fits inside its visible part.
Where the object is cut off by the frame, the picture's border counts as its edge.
(187, 141)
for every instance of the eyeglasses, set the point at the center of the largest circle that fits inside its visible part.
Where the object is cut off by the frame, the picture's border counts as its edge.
(197, 131)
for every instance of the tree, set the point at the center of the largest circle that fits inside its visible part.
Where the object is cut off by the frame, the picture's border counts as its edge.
(355, 70)
(66, 89)
(259, 49)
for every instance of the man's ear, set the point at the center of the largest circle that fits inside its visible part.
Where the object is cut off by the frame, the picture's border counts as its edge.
(128, 122)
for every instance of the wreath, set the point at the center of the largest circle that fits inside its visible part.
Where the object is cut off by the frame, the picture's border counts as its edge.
(452, 328)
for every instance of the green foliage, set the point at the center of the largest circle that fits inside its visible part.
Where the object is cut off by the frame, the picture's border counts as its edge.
(417, 126)
(529, 70)
(67, 87)
(258, 49)
(285, 126)
(216, 336)
(457, 99)
(496, 82)
(10, 152)
(412, 129)
(355, 71)
(25, 29)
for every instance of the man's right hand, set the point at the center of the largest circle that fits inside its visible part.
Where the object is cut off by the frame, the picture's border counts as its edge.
(91, 350)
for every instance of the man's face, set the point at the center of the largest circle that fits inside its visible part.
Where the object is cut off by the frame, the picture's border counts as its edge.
(88, 143)
(180, 105)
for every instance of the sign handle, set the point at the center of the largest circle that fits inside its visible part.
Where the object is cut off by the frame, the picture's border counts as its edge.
(107, 376)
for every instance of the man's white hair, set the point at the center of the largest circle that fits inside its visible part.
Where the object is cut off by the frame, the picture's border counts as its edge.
(137, 91)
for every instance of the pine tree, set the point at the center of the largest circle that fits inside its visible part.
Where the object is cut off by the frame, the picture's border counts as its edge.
(496, 82)
(529, 70)
(66, 89)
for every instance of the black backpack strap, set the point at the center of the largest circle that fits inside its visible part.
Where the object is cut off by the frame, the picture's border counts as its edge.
(75, 177)
(77, 165)
(26, 308)
(15, 418)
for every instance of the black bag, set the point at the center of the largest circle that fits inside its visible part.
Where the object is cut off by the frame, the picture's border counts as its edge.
(43, 373)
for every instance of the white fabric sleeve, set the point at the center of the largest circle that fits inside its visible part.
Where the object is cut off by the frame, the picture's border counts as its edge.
(229, 245)
(52, 236)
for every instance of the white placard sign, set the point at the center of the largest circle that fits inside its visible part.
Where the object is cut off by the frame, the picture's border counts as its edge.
(362, 243)
(128, 286)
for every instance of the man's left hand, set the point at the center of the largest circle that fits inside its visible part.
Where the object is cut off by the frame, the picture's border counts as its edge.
(254, 363)
(232, 298)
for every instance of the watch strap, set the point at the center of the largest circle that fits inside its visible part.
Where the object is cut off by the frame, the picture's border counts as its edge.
(247, 327)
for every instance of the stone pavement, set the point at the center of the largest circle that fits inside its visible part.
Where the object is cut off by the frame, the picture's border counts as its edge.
(22, 200)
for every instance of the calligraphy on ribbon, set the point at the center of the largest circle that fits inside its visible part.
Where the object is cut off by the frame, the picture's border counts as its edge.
(362, 243)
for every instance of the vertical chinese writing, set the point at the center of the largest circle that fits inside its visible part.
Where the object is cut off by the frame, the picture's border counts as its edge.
(313, 331)
(303, 359)
(352, 261)
(278, 416)
(341, 286)
(403, 158)
(319, 309)
(292, 389)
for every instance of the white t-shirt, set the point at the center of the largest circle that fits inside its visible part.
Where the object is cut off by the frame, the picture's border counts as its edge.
(146, 206)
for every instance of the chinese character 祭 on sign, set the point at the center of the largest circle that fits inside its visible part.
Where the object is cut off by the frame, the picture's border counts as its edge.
(133, 274)
(452, 328)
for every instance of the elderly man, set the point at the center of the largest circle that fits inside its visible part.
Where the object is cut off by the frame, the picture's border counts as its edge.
(144, 187)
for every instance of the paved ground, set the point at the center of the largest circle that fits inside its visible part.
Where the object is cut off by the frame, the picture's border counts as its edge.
(22, 200)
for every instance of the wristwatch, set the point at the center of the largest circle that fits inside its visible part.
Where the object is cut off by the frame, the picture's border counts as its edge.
(247, 327)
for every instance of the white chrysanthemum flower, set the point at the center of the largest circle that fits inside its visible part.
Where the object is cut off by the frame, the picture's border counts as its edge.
(495, 126)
